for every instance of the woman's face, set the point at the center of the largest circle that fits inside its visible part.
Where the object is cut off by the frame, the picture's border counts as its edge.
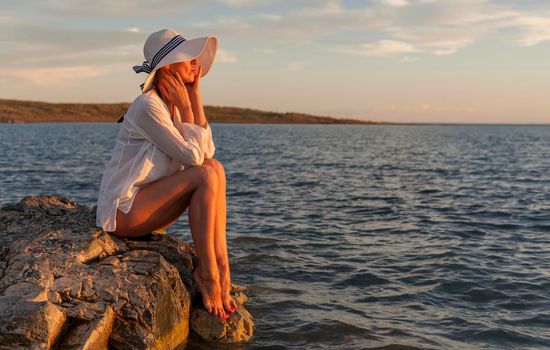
(185, 69)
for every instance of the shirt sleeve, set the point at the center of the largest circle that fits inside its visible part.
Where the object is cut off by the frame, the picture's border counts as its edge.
(209, 147)
(204, 135)
(191, 130)
(156, 126)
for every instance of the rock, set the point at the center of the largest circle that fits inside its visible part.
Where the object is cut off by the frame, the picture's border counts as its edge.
(238, 328)
(66, 284)
(31, 325)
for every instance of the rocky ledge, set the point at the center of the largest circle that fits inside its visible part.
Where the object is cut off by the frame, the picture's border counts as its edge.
(65, 284)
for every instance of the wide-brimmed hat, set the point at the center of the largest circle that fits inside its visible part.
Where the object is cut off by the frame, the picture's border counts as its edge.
(168, 46)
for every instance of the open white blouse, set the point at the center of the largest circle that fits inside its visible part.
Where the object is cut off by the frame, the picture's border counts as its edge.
(149, 147)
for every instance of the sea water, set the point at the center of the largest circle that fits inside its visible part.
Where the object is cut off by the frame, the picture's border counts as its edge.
(355, 237)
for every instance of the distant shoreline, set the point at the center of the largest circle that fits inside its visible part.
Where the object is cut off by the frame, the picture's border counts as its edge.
(25, 112)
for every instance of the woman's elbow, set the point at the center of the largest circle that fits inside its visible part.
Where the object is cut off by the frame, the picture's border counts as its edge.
(197, 157)
(209, 153)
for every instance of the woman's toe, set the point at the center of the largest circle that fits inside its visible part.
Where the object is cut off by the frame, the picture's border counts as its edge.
(226, 307)
(211, 309)
(230, 305)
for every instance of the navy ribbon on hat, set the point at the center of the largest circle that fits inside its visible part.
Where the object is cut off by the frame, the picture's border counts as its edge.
(145, 67)
(148, 67)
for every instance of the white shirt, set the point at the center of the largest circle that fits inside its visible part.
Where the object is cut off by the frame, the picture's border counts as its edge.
(149, 147)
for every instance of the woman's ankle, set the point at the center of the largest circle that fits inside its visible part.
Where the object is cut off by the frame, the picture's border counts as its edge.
(208, 274)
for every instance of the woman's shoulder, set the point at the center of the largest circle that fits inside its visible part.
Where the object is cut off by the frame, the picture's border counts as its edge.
(149, 97)
(147, 101)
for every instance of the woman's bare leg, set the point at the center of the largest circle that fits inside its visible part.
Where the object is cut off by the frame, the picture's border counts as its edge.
(159, 203)
(220, 241)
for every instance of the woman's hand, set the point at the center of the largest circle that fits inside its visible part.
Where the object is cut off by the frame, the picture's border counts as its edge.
(173, 90)
(175, 95)
(193, 89)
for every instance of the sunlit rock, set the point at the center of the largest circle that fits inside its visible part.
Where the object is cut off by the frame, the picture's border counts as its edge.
(65, 284)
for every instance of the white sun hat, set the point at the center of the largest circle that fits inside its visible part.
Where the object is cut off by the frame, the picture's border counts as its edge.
(168, 46)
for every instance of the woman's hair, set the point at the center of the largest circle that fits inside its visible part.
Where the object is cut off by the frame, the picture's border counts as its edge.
(156, 81)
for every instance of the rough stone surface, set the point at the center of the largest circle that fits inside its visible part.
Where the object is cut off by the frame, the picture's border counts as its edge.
(66, 284)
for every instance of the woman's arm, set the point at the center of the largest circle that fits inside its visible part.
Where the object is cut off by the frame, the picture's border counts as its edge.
(193, 90)
(176, 97)
(179, 101)
(155, 126)
(198, 110)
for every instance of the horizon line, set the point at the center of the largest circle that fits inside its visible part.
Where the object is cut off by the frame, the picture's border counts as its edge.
(290, 112)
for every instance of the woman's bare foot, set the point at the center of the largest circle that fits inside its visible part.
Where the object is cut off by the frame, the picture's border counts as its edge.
(211, 294)
(228, 303)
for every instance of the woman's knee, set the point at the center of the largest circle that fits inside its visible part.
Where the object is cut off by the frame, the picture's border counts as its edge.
(217, 166)
(208, 176)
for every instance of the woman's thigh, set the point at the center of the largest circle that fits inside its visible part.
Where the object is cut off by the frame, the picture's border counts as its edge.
(159, 203)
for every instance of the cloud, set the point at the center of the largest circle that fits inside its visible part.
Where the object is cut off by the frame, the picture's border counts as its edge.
(396, 3)
(387, 48)
(29, 45)
(533, 29)
(438, 41)
(426, 27)
(236, 24)
(370, 29)
(444, 28)
(73, 39)
(308, 24)
(269, 16)
(239, 3)
(223, 56)
(132, 30)
(108, 8)
(380, 49)
(327, 8)
(454, 25)
(405, 59)
(287, 30)
(8, 19)
(47, 77)
(262, 50)
(296, 66)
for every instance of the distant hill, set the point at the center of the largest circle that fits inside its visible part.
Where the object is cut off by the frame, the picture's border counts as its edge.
(16, 111)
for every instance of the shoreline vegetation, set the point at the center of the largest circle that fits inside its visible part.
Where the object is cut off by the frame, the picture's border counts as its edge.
(20, 111)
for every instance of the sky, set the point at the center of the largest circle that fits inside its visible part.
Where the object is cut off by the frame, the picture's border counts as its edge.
(462, 61)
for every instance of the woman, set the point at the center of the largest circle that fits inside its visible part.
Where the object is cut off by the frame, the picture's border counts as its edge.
(162, 163)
